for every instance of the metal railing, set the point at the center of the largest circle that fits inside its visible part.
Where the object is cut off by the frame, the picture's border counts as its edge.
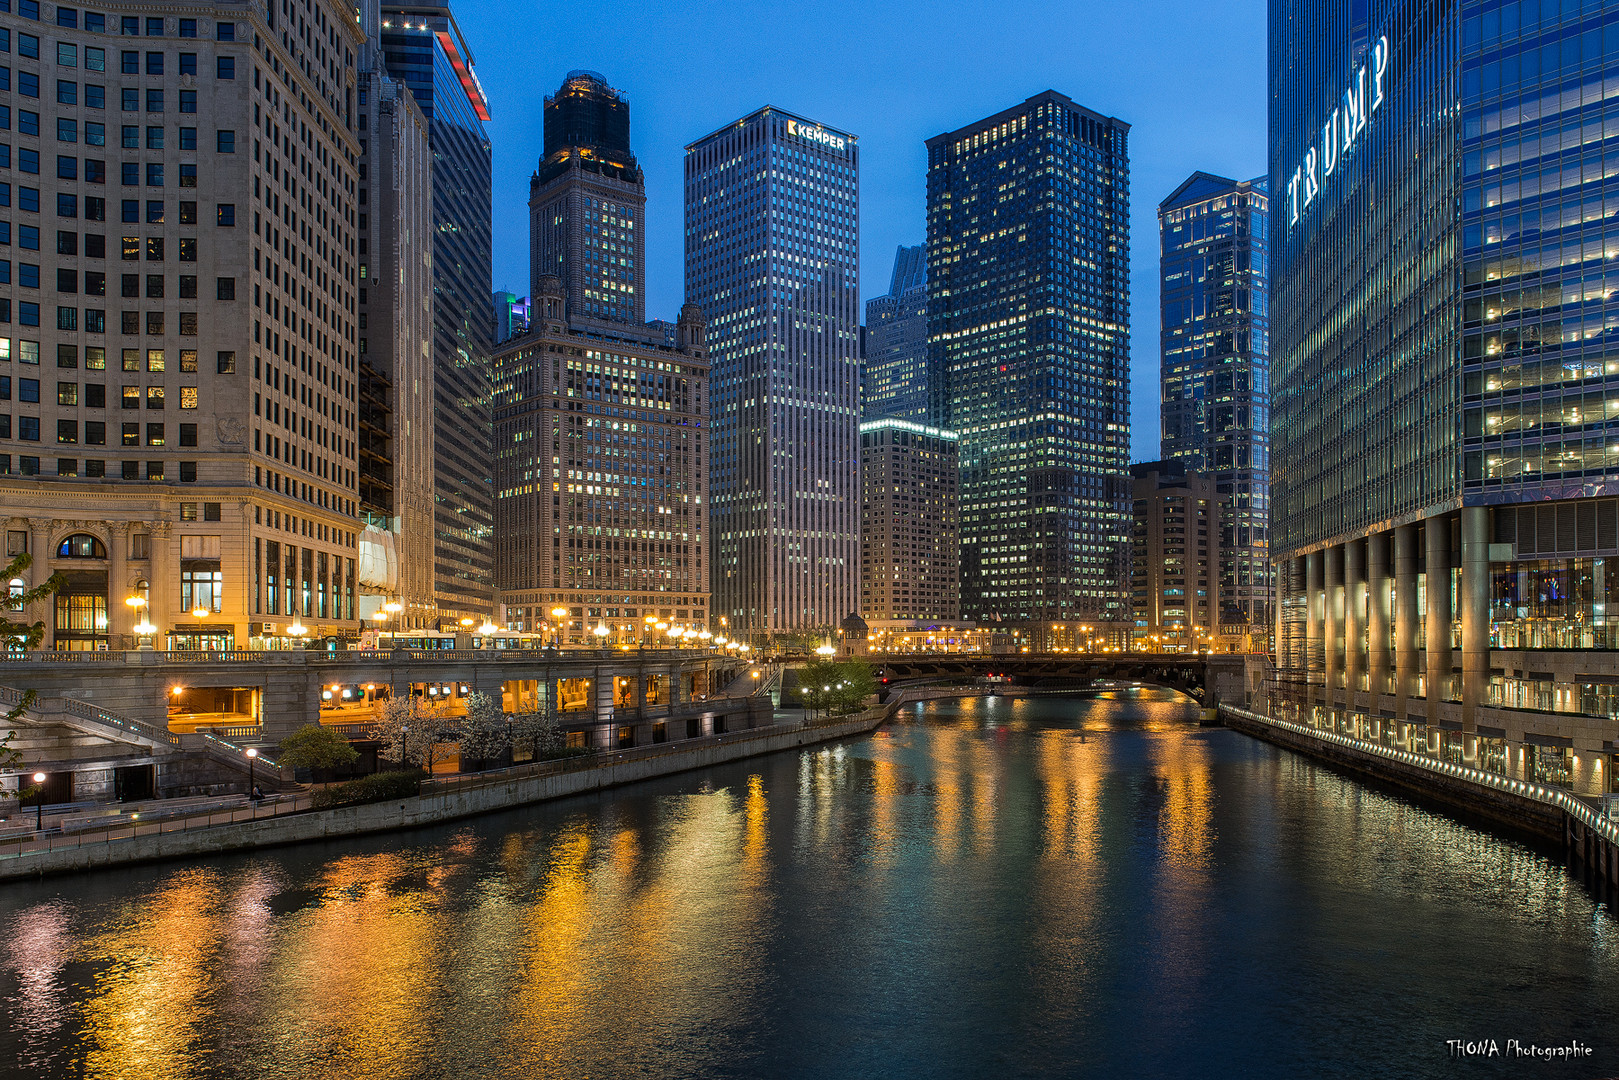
(275, 806)
(1566, 801)
(95, 713)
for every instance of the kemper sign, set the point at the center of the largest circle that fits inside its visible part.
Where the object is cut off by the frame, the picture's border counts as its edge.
(1338, 134)
(816, 134)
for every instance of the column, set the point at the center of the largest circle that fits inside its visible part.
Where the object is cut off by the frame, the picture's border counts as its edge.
(1475, 616)
(1405, 617)
(1354, 614)
(39, 546)
(1437, 532)
(121, 618)
(601, 692)
(1315, 611)
(164, 595)
(1377, 613)
(1333, 628)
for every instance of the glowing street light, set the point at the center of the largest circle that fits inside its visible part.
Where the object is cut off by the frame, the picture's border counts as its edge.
(252, 755)
(39, 803)
(601, 631)
(393, 607)
(826, 650)
(297, 629)
(487, 628)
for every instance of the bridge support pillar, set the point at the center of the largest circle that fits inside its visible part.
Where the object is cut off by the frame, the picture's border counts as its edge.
(1475, 619)
(1437, 530)
(1377, 614)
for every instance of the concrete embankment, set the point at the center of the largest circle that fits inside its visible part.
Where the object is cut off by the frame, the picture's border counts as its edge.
(1503, 809)
(467, 797)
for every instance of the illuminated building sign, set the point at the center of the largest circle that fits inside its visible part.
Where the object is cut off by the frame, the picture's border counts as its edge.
(816, 134)
(1339, 133)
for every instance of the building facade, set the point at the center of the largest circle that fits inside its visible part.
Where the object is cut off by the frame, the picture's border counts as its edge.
(511, 315)
(423, 47)
(1215, 375)
(895, 381)
(185, 456)
(1029, 322)
(772, 257)
(601, 463)
(587, 204)
(1444, 481)
(396, 444)
(1175, 559)
(909, 534)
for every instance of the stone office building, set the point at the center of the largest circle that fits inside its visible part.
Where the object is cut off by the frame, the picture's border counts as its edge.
(177, 320)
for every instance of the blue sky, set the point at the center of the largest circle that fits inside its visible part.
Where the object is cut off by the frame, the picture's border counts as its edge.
(1189, 77)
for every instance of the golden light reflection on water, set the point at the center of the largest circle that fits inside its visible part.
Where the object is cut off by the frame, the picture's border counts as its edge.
(653, 930)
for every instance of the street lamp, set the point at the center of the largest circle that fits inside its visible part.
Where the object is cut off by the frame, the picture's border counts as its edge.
(252, 756)
(39, 803)
(487, 628)
(393, 607)
(601, 632)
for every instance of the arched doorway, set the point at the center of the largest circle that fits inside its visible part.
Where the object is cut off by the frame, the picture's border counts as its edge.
(81, 602)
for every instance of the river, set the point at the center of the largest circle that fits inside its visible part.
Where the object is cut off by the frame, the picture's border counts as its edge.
(987, 887)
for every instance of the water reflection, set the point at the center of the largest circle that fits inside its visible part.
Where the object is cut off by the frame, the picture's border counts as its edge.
(988, 886)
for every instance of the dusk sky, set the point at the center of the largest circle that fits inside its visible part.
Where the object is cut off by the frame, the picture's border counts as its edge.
(1189, 78)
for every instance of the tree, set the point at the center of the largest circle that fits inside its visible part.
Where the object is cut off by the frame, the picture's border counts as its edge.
(485, 733)
(542, 733)
(16, 636)
(316, 747)
(835, 686)
(407, 727)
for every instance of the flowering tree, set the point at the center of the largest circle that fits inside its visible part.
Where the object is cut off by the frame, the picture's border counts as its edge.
(485, 732)
(20, 635)
(540, 731)
(407, 727)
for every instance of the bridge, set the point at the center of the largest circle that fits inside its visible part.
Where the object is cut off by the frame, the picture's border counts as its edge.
(1208, 680)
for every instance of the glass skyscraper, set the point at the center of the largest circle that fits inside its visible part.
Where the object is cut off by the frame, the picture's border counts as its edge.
(1029, 323)
(895, 380)
(423, 47)
(772, 257)
(1215, 375)
(1444, 472)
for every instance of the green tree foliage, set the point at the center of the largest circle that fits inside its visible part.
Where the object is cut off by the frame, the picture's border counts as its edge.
(19, 635)
(316, 747)
(836, 686)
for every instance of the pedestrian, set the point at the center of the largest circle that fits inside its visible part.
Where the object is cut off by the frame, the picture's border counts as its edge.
(258, 796)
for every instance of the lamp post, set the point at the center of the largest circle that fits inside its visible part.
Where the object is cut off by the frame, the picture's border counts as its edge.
(39, 803)
(252, 756)
(601, 633)
(559, 614)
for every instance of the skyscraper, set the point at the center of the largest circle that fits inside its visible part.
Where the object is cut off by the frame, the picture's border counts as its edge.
(1175, 564)
(772, 257)
(424, 48)
(895, 378)
(1215, 374)
(587, 204)
(396, 359)
(1029, 323)
(1442, 277)
(910, 560)
(193, 449)
(511, 315)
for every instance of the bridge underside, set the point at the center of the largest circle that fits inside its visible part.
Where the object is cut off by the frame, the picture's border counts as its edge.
(1189, 676)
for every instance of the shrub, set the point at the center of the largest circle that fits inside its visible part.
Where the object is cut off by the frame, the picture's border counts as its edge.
(379, 787)
(315, 747)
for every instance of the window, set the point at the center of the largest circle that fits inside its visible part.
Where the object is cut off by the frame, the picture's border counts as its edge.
(202, 585)
(154, 249)
(95, 319)
(66, 466)
(95, 59)
(188, 511)
(154, 470)
(188, 29)
(188, 397)
(28, 238)
(68, 17)
(28, 428)
(188, 138)
(130, 173)
(154, 138)
(27, 160)
(67, 168)
(28, 199)
(130, 435)
(154, 397)
(28, 84)
(131, 470)
(188, 324)
(130, 99)
(154, 27)
(188, 286)
(94, 135)
(226, 142)
(94, 467)
(27, 313)
(132, 397)
(188, 472)
(227, 214)
(95, 395)
(154, 63)
(27, 122)
(226, 288)
(67, 393)
(95, 172)
(225, 32)
(67, 431)
(131, 248)
(226, 67)
(154, 174)
(95, 97)
(154, 322)
(81, 546)
(227, 363)
(132, 357)
(188, 175)
(188, 360)
(95, 433)
(130, 285)
(154, 211)
(188, 434)
(188, 101)
(67, 318)
(154, 286)
(154, 359)
(129, 62)
(67, 92)
(67, 206)
(188, 63)
(28, 352)
(154, 434)
(28, 391)
(67, 355)
(188, 249)
(154, 101)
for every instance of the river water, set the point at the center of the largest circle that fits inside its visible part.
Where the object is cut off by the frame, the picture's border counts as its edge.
(983, 888)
